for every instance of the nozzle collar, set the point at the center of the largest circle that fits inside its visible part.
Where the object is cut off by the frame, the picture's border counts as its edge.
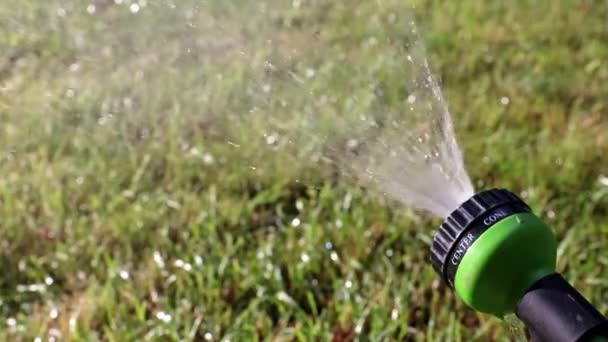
(465, 224)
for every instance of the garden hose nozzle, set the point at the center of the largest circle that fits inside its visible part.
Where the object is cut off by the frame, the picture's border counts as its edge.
(500, 259)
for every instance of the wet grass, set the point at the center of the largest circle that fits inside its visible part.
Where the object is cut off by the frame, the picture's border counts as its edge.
(148, 191)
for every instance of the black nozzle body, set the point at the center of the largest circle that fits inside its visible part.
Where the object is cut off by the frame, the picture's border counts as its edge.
(554, 311)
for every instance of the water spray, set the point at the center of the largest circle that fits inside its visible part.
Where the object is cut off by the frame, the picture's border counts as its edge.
(500, 259)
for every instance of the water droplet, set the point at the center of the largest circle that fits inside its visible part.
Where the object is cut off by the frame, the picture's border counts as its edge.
(173, 204)
(194, 151)
(72, 323)
(269, 65)
(198, 260)
(284, 297)
(352, 143)
(271, 139)
(54, 313)
(208, 158)
(334, 256)
(130, 194)
(134, 8)
(163, 316)
(299, 205)
(103, 120)
(11, 322)
(179, 263)
(158, 259)
(305, 258)
(394, 314)
(41, 288)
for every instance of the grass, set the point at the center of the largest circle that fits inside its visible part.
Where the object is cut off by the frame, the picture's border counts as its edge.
(139, 199)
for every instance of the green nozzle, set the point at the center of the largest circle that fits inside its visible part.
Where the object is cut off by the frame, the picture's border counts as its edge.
(500, 259)
(504, 262)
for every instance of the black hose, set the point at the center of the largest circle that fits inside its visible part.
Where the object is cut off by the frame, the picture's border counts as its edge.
(554, 311)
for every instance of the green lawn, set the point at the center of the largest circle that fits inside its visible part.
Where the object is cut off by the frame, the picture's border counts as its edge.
(164, 170)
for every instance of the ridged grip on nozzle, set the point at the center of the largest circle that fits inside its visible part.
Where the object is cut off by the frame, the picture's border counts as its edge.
(478, 211)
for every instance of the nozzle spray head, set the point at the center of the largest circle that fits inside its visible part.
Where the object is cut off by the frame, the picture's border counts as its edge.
(500, 258)
(466, 224)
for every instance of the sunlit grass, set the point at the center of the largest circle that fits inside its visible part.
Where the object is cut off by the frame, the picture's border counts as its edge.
(142, 197)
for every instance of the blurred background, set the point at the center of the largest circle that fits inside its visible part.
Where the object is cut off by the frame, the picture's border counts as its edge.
(169, 170)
